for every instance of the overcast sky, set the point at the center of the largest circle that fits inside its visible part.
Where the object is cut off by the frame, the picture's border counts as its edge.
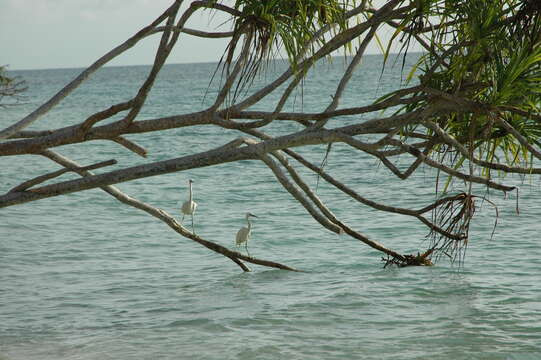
(42, 34)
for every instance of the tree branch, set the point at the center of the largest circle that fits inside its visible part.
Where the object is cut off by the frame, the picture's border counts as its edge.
(130, 145)
(43, 109)
(42, 178)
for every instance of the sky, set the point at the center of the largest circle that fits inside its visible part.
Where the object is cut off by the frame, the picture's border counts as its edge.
(43, 34)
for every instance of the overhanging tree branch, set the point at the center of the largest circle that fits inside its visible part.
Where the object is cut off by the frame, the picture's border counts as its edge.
(474, 95)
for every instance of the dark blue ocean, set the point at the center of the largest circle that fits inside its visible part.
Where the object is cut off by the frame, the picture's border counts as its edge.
(83, 276)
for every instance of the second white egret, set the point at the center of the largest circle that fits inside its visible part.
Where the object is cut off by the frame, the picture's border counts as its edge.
(243, 235)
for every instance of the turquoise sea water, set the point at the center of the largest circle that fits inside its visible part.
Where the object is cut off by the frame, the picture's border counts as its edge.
(85, 277)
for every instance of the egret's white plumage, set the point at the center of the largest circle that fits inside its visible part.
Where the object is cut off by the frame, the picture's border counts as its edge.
(189, 206)
(243, 235)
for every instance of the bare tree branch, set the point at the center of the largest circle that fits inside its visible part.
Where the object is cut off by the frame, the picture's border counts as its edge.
(43, 109)
(130, 145)
(42, 178)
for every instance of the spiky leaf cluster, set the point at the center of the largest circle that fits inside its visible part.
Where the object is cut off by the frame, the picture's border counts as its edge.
(486, 56)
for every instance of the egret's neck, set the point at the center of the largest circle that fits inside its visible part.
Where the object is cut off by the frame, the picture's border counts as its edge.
(190, 191)
(249, 223)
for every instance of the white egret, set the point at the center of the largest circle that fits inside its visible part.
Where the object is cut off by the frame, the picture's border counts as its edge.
(189, 206)
(244, 233)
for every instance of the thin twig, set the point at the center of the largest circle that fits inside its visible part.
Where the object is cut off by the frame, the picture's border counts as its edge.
(42, 178)
(130, 145)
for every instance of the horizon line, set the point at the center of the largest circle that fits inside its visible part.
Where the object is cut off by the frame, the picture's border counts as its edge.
(7, 69)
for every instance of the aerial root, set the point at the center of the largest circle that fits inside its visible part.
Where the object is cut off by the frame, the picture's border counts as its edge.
(455, 216)
(410, 260)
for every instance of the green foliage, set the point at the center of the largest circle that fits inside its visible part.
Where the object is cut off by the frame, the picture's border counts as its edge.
(487, 53)
(274, 26)
(10, 88)
(484, 54)
(4, 80)
(289, 24)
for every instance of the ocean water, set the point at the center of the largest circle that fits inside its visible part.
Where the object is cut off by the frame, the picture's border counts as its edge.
(83, 276)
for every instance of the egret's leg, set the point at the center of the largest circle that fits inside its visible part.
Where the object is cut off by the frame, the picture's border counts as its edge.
(193, 229)
(246, 245)
(181, 220)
